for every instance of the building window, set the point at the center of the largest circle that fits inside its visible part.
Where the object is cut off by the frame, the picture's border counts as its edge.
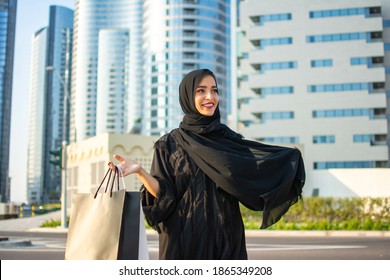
(244, 55)
(261, 19)
(265, 116)
(374, 87)
(243, 100)
(190, 44)
(386, 23)
(376, 61)
(376, 113)
(373, 139)
(367, 12)
(189, 33)
(274, 90)
(315, 192)
(262, 67)
(190, 11)
(321, 63)
(323, 139)
(262, 43)
(286, 139)
(374, 36)
(349, 164)
(189, 66)
(244, 78)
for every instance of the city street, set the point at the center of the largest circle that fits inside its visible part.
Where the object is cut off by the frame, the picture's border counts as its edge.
(46, 245)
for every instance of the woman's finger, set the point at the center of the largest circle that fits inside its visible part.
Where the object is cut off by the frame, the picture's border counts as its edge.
(111, 165)
(118, 157)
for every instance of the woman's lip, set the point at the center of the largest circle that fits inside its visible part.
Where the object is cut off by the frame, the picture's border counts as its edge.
(208, 105)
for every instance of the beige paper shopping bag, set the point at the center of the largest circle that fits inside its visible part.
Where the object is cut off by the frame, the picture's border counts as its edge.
(106, 226)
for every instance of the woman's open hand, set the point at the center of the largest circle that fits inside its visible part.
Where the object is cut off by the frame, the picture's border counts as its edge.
(128, 166)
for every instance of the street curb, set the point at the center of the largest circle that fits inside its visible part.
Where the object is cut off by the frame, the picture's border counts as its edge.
(268, 233)
(317, 233)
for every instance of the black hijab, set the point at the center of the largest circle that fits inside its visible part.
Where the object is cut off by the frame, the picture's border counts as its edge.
(262, 177)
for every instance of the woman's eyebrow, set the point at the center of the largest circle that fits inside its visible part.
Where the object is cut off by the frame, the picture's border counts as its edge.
(206, 86)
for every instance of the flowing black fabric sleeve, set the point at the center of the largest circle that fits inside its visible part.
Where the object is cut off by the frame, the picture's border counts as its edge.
(157, 209)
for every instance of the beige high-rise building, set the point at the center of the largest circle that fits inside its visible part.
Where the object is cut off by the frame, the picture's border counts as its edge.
(314, 73)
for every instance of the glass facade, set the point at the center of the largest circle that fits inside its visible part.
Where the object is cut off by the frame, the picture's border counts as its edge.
(112, 86)
(180, 36)
(49, 90)
(59, 55)
(91, 17)
(37, 118)
(7, 39)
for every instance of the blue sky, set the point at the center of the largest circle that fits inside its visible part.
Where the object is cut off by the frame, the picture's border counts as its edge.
(31, 16)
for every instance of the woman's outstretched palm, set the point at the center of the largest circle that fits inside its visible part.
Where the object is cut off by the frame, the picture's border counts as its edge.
(126, 165)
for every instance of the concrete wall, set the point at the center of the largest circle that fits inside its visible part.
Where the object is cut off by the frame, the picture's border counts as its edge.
(350, 182)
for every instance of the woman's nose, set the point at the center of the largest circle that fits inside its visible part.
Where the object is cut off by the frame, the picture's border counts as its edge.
(208, 95)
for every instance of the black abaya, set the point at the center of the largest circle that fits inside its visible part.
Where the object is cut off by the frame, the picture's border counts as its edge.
(196, 220)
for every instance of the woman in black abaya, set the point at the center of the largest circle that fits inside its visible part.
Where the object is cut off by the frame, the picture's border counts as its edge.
(200, 173)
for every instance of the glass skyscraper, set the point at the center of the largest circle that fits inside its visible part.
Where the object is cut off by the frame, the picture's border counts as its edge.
(112, 85)
(52, 46)
(37, 117)
(121, 89)
(59, 55)
(107, 67)
(7, 39)
(180, 36)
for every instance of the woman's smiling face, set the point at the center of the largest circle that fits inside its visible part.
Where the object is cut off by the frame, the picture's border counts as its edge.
(206, 96)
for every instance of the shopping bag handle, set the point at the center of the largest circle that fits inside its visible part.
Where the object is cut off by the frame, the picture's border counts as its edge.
(109, 172)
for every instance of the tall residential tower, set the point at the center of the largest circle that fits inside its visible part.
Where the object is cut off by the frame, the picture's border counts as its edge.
(37, 117)
(180, 36)
(312, 73)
